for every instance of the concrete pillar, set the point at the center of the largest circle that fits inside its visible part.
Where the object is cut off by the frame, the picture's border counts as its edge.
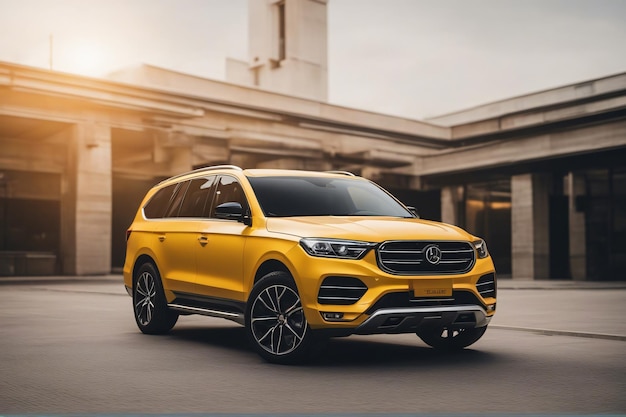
(576, 191)
(288, 51)
(530, 228)
(173, 149)
(86, 201)
(180, 160)
(450, 198)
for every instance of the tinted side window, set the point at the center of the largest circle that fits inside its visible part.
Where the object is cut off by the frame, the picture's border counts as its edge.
(174, 207)
(228, 191)
(198, 197)
(155, 209)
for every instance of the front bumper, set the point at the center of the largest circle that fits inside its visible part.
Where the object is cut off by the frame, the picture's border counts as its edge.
(409, 320)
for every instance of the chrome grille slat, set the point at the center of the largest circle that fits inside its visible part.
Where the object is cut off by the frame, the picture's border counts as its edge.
(405, 262)
(409, 257)
(486, 286)
(341, 290)
(336, 287)
(416, 252)
(339, 298)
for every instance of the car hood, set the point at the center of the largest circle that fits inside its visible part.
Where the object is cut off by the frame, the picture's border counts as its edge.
(370, 229)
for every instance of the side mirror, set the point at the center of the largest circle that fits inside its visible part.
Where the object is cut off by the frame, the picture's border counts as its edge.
(232, 211)
(413, 211)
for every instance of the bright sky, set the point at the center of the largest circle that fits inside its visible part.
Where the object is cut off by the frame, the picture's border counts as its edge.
(412, 58)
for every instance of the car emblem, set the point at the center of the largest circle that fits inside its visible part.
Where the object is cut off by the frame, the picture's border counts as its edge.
(432, 253)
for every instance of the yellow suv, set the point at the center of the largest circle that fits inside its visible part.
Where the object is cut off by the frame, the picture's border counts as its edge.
(299, 256)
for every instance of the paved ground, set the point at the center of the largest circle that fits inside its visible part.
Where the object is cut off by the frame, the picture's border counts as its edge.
(582, 308)
(587, 309)
(71, 346)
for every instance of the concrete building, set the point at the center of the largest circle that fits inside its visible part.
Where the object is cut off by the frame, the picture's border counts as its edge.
(541, 177)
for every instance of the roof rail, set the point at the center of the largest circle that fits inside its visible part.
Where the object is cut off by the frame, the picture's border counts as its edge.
(348, 173)
(205, 169)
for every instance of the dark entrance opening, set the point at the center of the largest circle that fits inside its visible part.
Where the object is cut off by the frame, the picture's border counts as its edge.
(30, 223)
(487, 215)
(427, 203)
(127, 196)
(605, 223)
(559, 237)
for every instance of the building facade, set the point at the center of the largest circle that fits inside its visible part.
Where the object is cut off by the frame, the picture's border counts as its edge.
(541, 177)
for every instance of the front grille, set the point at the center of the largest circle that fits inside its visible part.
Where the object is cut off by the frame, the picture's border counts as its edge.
(341, 290)
(412, 257)
(486, 285)
(407, 299)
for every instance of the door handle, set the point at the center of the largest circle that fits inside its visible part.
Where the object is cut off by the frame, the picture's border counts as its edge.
(203, 240)
(161, 238)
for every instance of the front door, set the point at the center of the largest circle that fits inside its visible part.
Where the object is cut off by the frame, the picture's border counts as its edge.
(219, 255)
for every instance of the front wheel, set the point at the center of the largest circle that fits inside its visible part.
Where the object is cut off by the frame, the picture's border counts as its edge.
(275, 320)
(450, 338)
(149, 304)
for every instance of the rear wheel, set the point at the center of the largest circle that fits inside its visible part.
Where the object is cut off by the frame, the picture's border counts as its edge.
(149, 304)
(275, 320)
(450, 338)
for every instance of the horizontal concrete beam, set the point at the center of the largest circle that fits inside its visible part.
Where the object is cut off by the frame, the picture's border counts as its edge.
(553, 97)
(533, 148)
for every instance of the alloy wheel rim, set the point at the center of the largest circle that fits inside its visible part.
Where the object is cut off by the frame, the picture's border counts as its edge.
(277, 320)
(145, 295)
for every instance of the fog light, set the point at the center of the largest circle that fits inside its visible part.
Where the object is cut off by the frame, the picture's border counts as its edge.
(332, 316)
(491, 307)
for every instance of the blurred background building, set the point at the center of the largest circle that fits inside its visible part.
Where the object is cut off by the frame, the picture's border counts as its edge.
(541, 177)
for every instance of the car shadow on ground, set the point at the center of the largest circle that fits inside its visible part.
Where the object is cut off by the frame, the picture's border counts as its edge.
(362, 352)
(228, 337)
(345, 351)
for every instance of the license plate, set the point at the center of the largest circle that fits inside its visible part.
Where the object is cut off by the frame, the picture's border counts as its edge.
(432, 288)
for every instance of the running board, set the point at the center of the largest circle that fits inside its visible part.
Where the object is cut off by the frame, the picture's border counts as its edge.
(236, 317)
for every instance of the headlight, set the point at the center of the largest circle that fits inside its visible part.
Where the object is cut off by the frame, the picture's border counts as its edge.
(481, 248)
(332, 248)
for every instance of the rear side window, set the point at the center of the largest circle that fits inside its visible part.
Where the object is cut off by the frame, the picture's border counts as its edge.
(174, 208)
(156, 207)
(198, 198)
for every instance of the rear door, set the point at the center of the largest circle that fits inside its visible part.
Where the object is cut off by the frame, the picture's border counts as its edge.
(183, 239)
(171, 247)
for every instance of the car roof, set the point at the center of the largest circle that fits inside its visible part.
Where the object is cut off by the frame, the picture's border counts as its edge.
(294, 173)
(220, 169)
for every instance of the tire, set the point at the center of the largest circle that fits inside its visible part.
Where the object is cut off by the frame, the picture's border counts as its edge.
(451, 339)
(275, 321)
(149, 305)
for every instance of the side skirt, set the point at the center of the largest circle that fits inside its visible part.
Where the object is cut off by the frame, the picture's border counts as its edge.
(209, 306)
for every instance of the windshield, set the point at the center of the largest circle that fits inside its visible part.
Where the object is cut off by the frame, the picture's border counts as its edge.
(318, 196)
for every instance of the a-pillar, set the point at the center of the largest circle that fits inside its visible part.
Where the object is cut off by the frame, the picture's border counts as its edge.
(530, 228)
(86, 201)
(577, 229)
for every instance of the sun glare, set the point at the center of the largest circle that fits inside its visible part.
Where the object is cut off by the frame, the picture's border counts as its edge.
(83, 57)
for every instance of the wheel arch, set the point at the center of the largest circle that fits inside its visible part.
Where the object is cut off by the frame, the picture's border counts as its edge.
(142, 259)
(270, 265)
